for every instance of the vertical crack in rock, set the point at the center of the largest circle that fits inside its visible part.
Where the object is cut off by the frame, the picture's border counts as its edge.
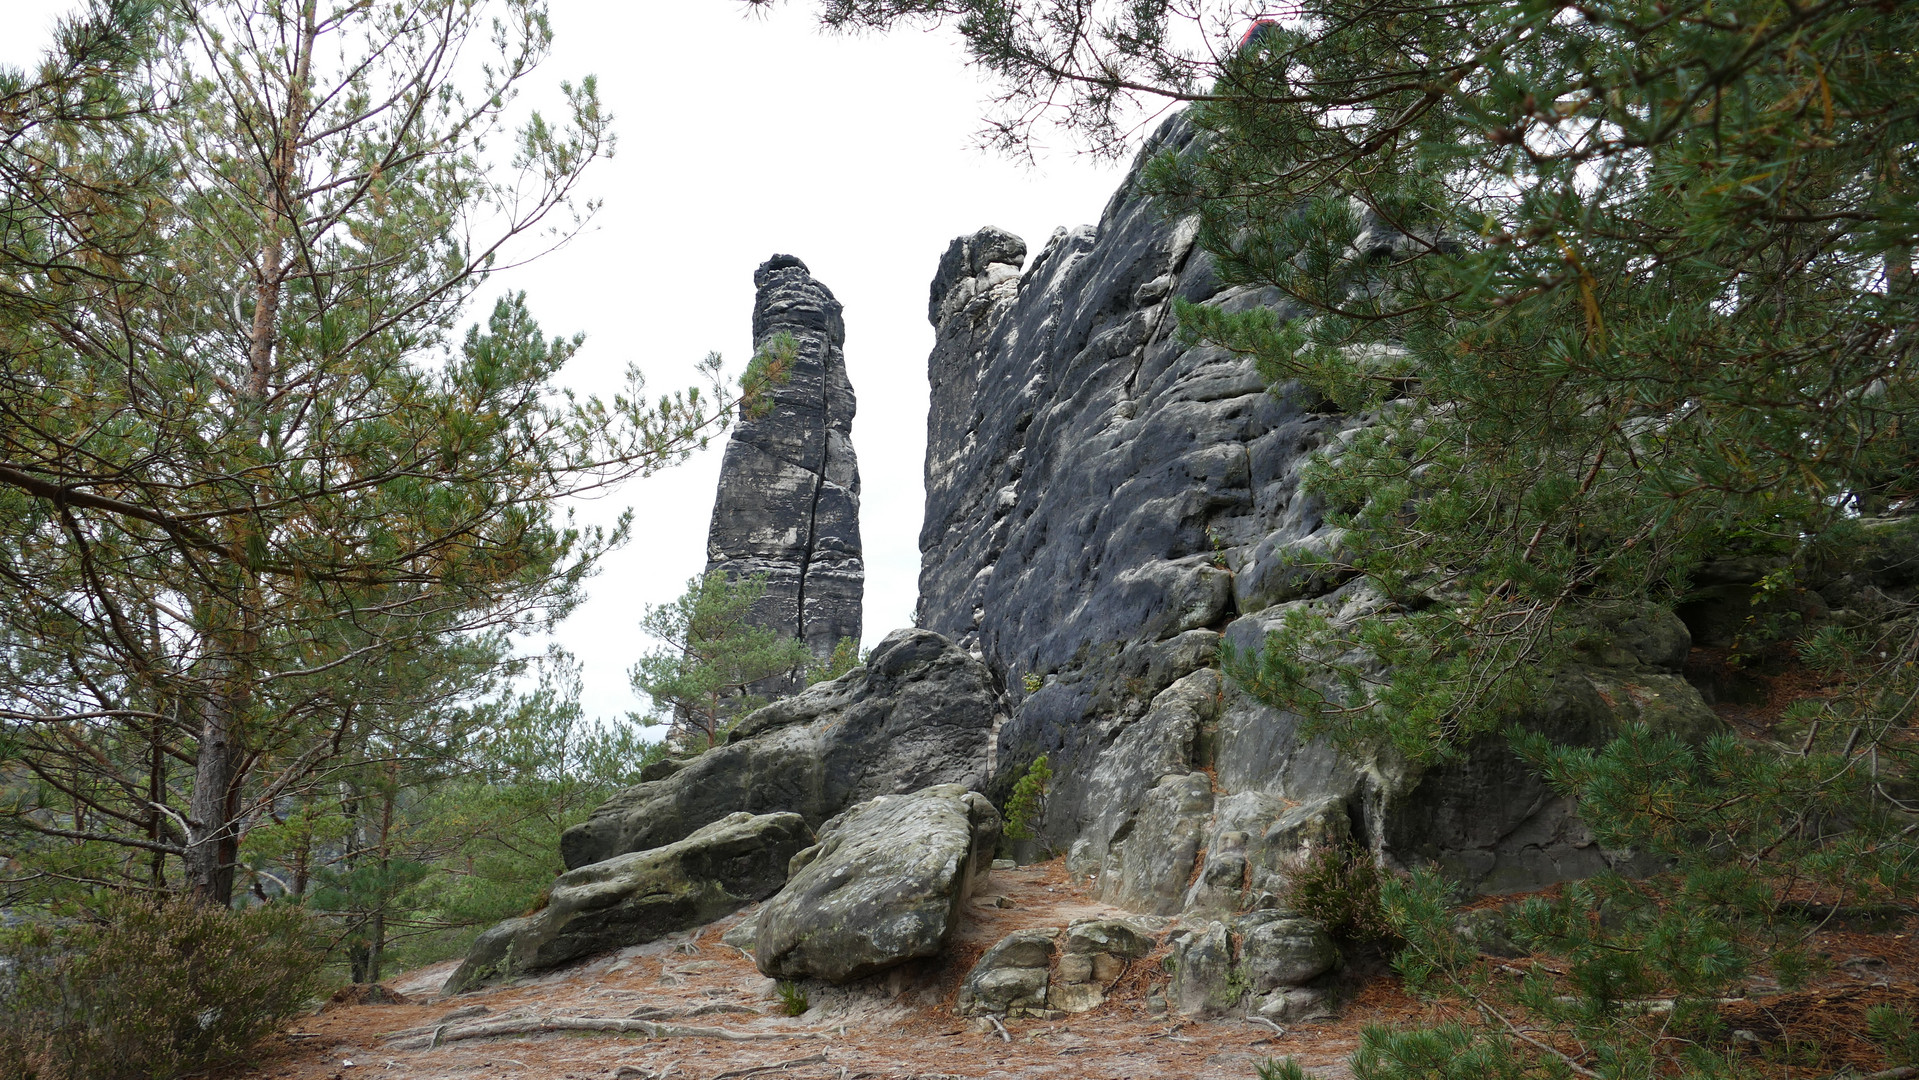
(788, 499)
(1106, 505)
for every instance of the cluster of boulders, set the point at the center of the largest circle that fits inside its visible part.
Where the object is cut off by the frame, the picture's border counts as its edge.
(819, 809)
(1265, 962)
(848, 808)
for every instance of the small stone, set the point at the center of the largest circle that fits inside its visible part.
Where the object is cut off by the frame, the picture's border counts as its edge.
(1075, 997)
(1005, 864)
(743, 934)
(1295, 1003)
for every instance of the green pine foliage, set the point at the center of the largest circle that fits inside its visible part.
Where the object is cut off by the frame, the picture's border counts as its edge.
(793, 998)
(1026, 806)
(714, 662)
(846, 656)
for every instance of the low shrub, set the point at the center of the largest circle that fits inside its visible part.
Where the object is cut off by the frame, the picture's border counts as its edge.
(1338, 884)
(793, 999)
(136, 989)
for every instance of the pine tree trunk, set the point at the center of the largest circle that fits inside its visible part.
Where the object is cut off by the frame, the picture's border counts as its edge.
(213, 844)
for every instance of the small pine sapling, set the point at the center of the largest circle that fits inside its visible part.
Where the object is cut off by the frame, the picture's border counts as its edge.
(1027, 806)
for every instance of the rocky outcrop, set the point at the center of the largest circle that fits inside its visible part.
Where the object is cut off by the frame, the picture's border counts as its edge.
(885, 884)
(789, 493)
(1095, 955)
(920, 712)
(635, 898)
(1011, 978)
(1108, 503)
(1048, 972)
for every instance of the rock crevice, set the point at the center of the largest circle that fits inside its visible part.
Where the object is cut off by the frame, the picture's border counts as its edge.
(787, 505)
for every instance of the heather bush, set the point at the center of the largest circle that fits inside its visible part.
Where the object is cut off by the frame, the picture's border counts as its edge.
(1338, 884)
(135, 989)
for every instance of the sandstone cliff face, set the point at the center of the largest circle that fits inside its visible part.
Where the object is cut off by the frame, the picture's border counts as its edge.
(1104, 505)
(789, 493)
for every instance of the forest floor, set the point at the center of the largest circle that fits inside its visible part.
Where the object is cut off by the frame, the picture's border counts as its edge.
(900, 1026)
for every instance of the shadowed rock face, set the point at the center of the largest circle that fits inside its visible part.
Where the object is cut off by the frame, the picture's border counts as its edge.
(789, 493)
(1105, 504)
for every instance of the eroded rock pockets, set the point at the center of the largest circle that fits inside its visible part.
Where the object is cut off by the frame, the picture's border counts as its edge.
(921, 712)
(787, 505)
(1107, 503)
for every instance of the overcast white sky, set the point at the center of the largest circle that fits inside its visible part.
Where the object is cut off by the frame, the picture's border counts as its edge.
(741, 137)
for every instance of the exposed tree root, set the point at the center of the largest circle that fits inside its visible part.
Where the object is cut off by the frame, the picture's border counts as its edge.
(815, 1059)
(621, 1025)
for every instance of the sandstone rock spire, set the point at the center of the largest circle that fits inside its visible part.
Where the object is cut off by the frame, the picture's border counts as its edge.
(789, 493)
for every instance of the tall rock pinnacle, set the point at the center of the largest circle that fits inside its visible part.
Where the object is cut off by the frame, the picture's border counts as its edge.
(788, 504)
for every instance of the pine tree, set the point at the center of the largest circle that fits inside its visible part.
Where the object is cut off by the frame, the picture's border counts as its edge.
(254, 474)
(1616, 288)
(714, 659)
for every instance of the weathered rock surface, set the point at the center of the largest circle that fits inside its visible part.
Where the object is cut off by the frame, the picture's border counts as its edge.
(789, 493)
(1205, 982)
(1276, 952)
(921, 712)
(1011, 978)
(885, 884)
(1106, 504)
(632, 899)
(1095, 954)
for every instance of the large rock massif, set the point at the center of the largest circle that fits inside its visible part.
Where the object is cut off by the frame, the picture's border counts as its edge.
(789, 494)
(1107, 506)
(1106, 503)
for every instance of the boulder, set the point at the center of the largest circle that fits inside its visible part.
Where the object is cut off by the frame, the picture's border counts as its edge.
(1094, 956)
(886, 883)
(1292, 1003)
(1205, 982)
(1278, 952)
(921, 712)
(1011, 978)
(633, 899)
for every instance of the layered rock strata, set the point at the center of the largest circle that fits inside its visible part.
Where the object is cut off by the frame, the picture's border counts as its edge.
(789, 493)
(920, 712)
(1107, 503)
